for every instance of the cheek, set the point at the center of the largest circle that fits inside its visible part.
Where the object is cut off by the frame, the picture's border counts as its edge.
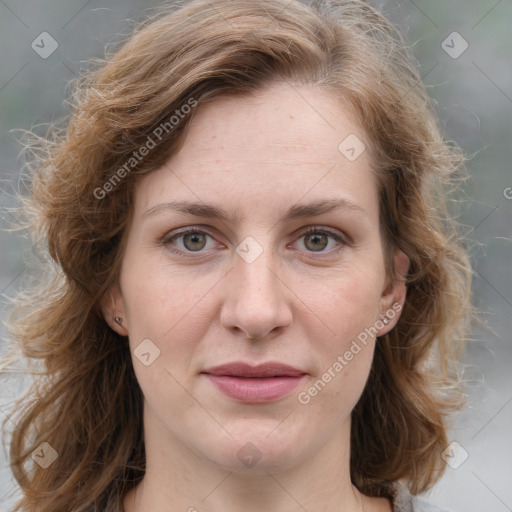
(161, 300)
(344, 360)
(346, 309)
(346, 304)
(169, 308)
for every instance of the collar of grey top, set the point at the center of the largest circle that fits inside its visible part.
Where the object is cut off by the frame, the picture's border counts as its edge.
(405, 502)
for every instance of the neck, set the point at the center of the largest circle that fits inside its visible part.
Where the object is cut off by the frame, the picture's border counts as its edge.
(178, 478)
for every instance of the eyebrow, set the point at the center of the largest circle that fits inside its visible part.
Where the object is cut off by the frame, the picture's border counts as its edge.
(215, 212)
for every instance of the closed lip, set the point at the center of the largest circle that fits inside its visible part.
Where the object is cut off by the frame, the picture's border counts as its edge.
(264, 370)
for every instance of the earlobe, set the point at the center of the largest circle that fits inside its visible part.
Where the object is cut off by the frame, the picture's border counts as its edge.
(394, 294)
(113, 311)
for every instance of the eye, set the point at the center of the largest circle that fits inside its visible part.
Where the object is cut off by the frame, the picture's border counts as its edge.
(194, 240)
(317, 240)
(188, 240)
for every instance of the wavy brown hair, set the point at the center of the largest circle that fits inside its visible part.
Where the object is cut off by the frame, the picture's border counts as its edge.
(86, 402)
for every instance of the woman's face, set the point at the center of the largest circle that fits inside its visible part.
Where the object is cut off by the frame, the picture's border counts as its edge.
(255, 286)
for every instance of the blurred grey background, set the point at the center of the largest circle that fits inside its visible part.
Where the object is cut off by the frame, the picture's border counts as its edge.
(464, 53)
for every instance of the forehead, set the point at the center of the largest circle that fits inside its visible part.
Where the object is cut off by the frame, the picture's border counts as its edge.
(281, 119)
(269, 148)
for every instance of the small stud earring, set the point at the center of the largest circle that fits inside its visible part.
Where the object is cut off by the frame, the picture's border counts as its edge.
(386, 320)
(118, 320)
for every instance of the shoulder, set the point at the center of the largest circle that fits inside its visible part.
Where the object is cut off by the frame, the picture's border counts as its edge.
(405, 502)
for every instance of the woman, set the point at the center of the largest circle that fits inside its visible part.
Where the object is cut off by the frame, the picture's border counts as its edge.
(259, 297)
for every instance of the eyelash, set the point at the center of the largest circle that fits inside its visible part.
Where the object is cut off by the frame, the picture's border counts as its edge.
(166, 241)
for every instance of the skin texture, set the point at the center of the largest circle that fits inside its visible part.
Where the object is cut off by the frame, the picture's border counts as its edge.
(302, 301)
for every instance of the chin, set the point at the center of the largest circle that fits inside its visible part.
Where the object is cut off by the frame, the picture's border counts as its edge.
(257, 449)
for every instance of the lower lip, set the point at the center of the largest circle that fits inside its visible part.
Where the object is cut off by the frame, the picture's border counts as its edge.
(255, 390)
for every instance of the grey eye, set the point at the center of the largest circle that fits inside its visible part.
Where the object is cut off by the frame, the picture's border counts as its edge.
(194, 241)
(316, 241)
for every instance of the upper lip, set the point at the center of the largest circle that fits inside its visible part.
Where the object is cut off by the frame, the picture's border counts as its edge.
(241, 369)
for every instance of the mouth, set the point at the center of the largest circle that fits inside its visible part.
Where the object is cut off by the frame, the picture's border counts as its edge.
(255, 384)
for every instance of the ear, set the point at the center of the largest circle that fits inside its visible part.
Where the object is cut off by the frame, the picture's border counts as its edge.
(112, 307)
(393, 296)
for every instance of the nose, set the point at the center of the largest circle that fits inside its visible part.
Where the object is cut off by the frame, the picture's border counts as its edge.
(257, 302)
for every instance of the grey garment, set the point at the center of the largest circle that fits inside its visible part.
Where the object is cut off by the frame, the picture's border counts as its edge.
(405, 502)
